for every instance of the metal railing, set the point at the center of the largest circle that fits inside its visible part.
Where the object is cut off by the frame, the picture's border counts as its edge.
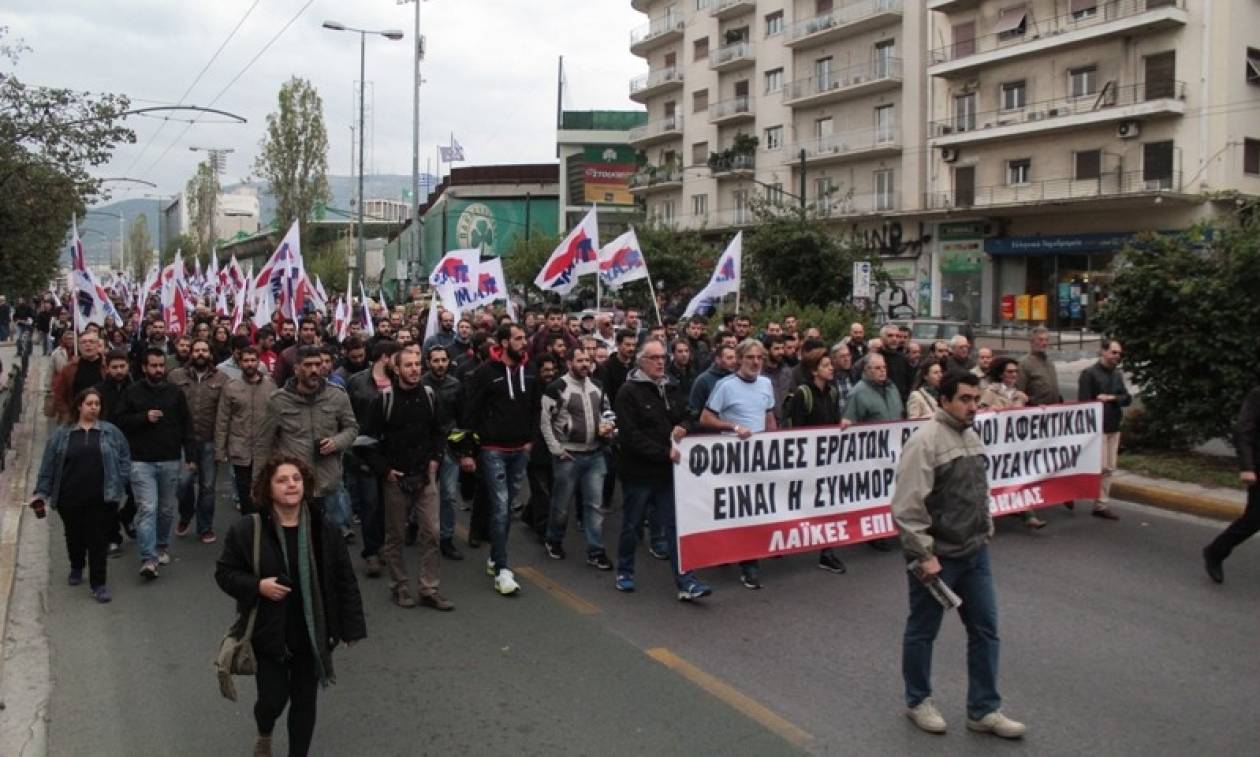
(1110, 184)
(718, 7)
(864, 203)
(1039, 28)
(658, 27)
(1110, 96)
(839, 17)
(730, 53)
(657, 128)
(11, 394)
(652, 80)
(880, 69)
(846, 142)
(650, 177)
(732, 163)
(735, 106)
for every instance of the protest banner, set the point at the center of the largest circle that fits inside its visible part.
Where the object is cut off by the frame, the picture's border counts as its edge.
(801, 490)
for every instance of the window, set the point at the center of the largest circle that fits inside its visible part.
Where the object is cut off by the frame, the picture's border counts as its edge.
(1019, 171)
(1088, 164)
(885, 123)
(699, 153)
(665, 212)
(700, 101)
(743, 213)
(700, 205)
(1083, 82)
(1157, 165)
(774, 193)
(774, 23)
(965, 112)
(822, 74)
(822, 6)
(1253, 66)
(1014, 95)
(824, 127)
(1011, 23)
(774, 80)
(1083, 9)
(884, 199)
(774, 138)
(700, 49)
(883, 59)
(1251, 156)
(822, 195)
(702, 4)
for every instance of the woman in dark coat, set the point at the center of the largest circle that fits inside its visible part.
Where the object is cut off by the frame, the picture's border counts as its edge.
(307, 597)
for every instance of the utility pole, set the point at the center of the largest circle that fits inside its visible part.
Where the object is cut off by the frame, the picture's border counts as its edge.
(415, 251)
(802, 180)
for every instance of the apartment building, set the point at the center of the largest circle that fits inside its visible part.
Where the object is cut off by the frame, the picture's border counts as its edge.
(985, 149)
(809, 101)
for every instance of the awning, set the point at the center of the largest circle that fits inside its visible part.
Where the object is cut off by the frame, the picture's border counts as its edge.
(1010, 19)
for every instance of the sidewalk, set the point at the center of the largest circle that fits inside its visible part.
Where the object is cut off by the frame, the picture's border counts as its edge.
(1204, 501)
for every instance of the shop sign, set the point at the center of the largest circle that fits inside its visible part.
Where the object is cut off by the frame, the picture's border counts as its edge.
(961, 257)
(1058, 243)
(960, 230)
(862, 280)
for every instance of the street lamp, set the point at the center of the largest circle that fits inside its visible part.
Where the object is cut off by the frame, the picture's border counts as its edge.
(414, 253)
(360, 255)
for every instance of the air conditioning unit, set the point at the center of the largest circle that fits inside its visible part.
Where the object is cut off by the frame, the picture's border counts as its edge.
(1128, 130)
(1033, 115)
(949, 154)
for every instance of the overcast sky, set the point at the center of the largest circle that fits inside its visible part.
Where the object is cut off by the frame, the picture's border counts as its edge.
(490, 72)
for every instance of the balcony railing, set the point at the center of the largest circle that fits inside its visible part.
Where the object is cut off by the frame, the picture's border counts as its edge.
(730, 8)
(650, 81)
(734, 107)
(856, 204)
(834, 21)
(738, 52)
(859, 74)
(1035, 28)
(656, 28)
(836, 145)
(656, 175)
(1111, 184)
(1110, 96)
(732, 217)
(733, 164)
(659, 128)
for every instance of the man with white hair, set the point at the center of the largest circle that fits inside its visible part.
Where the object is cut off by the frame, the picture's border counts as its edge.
(984, 359)
(959, 355)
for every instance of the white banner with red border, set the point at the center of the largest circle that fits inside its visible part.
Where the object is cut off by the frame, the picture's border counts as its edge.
(802, 490)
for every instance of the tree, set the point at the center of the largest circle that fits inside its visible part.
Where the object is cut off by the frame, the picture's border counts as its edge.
(1185, 309)
(794, 255)
(141, 247)
(180, 242)
(49, 139)
(328, 263)
(526, 259)
(202, 196)
(294, 156)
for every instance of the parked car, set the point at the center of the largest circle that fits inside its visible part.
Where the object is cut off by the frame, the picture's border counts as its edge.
(932, 329)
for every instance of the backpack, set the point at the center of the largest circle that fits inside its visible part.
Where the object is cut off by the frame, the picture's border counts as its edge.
(807, 397)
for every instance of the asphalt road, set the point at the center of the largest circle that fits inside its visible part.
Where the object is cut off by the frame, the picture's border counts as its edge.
(1114, 642)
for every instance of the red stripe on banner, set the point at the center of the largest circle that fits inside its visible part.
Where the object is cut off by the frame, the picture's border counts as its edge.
(810, 534)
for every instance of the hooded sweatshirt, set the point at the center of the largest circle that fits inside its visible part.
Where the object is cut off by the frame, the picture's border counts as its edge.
(500, 403)
(703, 387)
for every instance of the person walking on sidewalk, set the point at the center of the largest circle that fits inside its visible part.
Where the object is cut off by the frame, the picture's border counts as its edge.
(242, 405)
(202, 385)
(941, 508)
(154, 416)
(307, 599)
(1104, 382)
(409, 449)
(1248, 443)
(83, 476)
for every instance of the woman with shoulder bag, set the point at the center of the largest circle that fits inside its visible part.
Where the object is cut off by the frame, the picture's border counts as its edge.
(925, 399)
(306, 595)
(83, 476)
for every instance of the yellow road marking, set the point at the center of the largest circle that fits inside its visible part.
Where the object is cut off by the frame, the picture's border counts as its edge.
(575, 603)
(743, 703)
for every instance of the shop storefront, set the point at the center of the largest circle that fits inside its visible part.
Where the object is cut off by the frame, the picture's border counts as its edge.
(960, 262)
(1069, 273)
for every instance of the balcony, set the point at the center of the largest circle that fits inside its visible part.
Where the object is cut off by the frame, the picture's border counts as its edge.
(1112, 185)
(869, 203)
(1131, 102)
(842, 22)
(640, 5)
(731, 111)
(724, 9)
(852, 145)
(733, 166)
(654, 83)
(655, 178)
(662, 130)
(854, 81)
(1114, 18)
(667, 28)
(951, 6)
(731, 57)
(732, 218)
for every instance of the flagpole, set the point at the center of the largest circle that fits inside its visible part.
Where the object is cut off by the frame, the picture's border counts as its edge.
(655, 305)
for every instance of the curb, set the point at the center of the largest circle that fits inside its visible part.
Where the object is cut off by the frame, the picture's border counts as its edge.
(1206, 507)
(15, 503)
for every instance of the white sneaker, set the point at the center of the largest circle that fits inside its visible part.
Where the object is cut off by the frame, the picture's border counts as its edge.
(927, 717)
(997, 724)
(490, 567)
(164, 557)
(505, 583)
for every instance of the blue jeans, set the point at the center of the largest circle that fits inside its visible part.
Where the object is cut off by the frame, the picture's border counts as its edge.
(586, 471)
(202, 492)
(971, 580)
(153, 486)
(637, 501)
(365, 498)
(448, 488)
(504, 476)
(337, 508)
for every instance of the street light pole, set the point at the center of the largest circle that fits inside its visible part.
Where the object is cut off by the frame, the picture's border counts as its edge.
(415, 147)
(360, 254)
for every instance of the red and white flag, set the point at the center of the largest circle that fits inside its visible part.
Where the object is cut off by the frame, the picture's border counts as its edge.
(91, 302)
(578, 254)
(621, 261)
(284, 277)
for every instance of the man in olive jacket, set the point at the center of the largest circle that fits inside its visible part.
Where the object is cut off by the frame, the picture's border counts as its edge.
(242, 407)
(202, 384)
(311, 420)
(875, 398)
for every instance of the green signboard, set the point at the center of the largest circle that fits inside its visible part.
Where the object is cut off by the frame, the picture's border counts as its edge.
(492, 225)
(960, 230)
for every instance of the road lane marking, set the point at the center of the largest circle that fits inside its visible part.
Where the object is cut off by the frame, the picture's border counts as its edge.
(733, 697)
(575, 603)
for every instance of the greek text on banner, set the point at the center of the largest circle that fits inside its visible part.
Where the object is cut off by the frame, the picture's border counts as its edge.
(802, 490)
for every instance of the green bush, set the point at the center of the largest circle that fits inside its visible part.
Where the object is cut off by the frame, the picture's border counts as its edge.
(833, 321)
